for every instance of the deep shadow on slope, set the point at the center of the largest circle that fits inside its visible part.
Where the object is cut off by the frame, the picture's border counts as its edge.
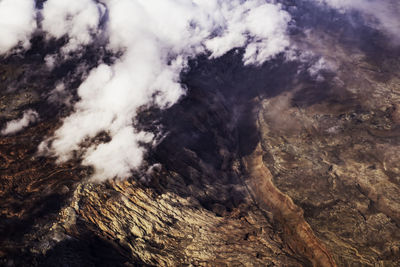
(214, 123)
(208, 131)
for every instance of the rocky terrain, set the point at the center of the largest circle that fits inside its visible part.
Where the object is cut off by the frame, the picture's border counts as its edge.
(261, 166)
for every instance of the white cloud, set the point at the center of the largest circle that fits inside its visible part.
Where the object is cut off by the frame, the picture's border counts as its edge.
(50, 61)
(118, 157)
(157, 38)
(321, 65)
(17, 23)
(15, 126)
(79, 19)
(266, 23)
(60, 95)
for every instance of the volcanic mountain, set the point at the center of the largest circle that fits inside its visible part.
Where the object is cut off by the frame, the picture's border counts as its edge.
(290, 158)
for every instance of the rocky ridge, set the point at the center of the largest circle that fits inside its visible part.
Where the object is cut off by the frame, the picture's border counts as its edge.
(261, 167)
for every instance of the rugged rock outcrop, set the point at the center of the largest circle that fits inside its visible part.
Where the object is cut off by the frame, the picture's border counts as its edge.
(261, 167)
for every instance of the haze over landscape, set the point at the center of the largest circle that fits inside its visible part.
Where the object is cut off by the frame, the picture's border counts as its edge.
(199, 132)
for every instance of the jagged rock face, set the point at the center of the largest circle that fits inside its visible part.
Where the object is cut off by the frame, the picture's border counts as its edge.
(195, 210)
(261, 167)
(338, 161)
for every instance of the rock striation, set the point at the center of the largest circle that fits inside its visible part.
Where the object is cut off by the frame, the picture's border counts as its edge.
(261, 167)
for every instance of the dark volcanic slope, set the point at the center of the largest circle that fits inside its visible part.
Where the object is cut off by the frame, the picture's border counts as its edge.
(261, 167)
